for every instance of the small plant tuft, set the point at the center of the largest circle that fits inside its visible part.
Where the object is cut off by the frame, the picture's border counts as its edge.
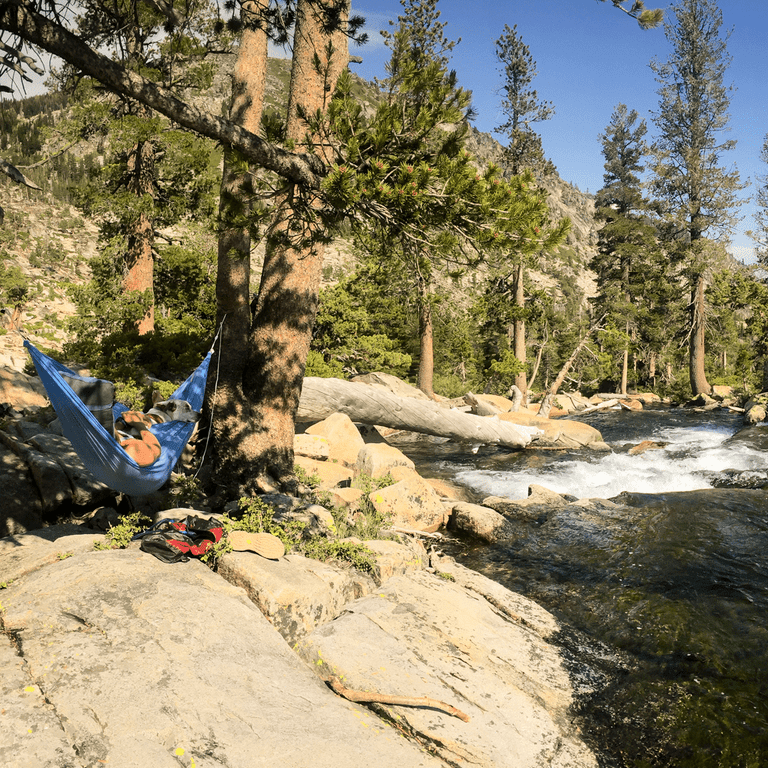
(119, 536)
(311, 481)
(353, 553)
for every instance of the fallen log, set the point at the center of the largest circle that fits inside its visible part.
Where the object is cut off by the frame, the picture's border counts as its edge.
(600, 406)
(371, 405)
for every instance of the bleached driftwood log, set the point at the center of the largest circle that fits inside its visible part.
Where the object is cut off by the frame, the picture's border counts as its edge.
(372, 405)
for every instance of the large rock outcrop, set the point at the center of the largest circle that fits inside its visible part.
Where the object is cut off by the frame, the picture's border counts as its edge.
(113, 657)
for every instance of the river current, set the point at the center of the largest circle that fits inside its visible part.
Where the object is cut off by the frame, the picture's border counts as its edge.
(662, 592)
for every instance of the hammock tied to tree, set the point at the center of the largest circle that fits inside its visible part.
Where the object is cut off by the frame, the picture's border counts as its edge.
(84, 426)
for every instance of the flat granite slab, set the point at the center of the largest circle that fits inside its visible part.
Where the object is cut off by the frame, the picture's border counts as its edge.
(115, 658)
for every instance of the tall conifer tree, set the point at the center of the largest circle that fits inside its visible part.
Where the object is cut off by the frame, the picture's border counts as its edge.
(522, 108)
(521, 105)
(629, 255)
(689, 175)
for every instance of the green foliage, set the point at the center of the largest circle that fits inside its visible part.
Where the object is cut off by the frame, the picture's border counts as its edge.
(185, 291)
(345, 340)
(311, 481)
(318, 366)
(689, 175)
(418, 203)
(256, 516)
(501, 373)
(521, 106)
(736, 331)
(647, 18)
(14, 285)
(352, 553)
(104, 332)
(119, 536)
(639, 295)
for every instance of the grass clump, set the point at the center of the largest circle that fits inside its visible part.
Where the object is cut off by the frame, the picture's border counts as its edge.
(352, 553)
(119, 536)
(365, 522)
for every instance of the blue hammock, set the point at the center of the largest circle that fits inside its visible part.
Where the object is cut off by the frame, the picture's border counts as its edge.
(97, 448)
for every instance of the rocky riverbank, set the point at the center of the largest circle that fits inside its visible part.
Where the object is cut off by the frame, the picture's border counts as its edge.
(114, 657)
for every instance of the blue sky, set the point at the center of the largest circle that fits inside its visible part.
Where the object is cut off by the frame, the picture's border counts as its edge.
(591, 57)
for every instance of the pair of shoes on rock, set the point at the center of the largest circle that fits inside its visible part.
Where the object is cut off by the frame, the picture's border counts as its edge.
(264, 544)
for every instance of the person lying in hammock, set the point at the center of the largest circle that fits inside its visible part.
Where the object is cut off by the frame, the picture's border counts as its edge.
(132, 428)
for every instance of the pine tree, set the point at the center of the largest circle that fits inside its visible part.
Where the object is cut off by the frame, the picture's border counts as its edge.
(444, 214)
(426, 39)
(522, 108)
(699, 192)
(629, 254)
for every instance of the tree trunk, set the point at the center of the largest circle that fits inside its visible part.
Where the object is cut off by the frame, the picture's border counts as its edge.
(699, 383)
(139, 274)
(426, 340)
(229, 409)
(521, 379)
(624, 371)
(371, 405)
(290, 282)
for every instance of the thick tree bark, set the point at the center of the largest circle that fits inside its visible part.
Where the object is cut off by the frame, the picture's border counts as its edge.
(230, 410)
(699, 383)
(290, 282)
(521, 379)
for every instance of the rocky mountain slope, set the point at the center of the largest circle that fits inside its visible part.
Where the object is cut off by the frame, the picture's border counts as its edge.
(50, 244)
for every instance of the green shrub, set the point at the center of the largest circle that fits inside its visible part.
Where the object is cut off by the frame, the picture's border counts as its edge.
(119, 536)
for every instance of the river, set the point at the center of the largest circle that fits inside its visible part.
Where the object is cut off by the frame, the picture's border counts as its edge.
(663, 594)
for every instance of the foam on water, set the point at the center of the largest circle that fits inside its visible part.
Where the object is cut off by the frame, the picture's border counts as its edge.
(691, 460)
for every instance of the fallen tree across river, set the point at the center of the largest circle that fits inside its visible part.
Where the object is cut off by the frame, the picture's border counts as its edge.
(372, 405)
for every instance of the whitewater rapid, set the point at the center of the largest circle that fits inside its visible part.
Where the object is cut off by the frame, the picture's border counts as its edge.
(695, 457)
